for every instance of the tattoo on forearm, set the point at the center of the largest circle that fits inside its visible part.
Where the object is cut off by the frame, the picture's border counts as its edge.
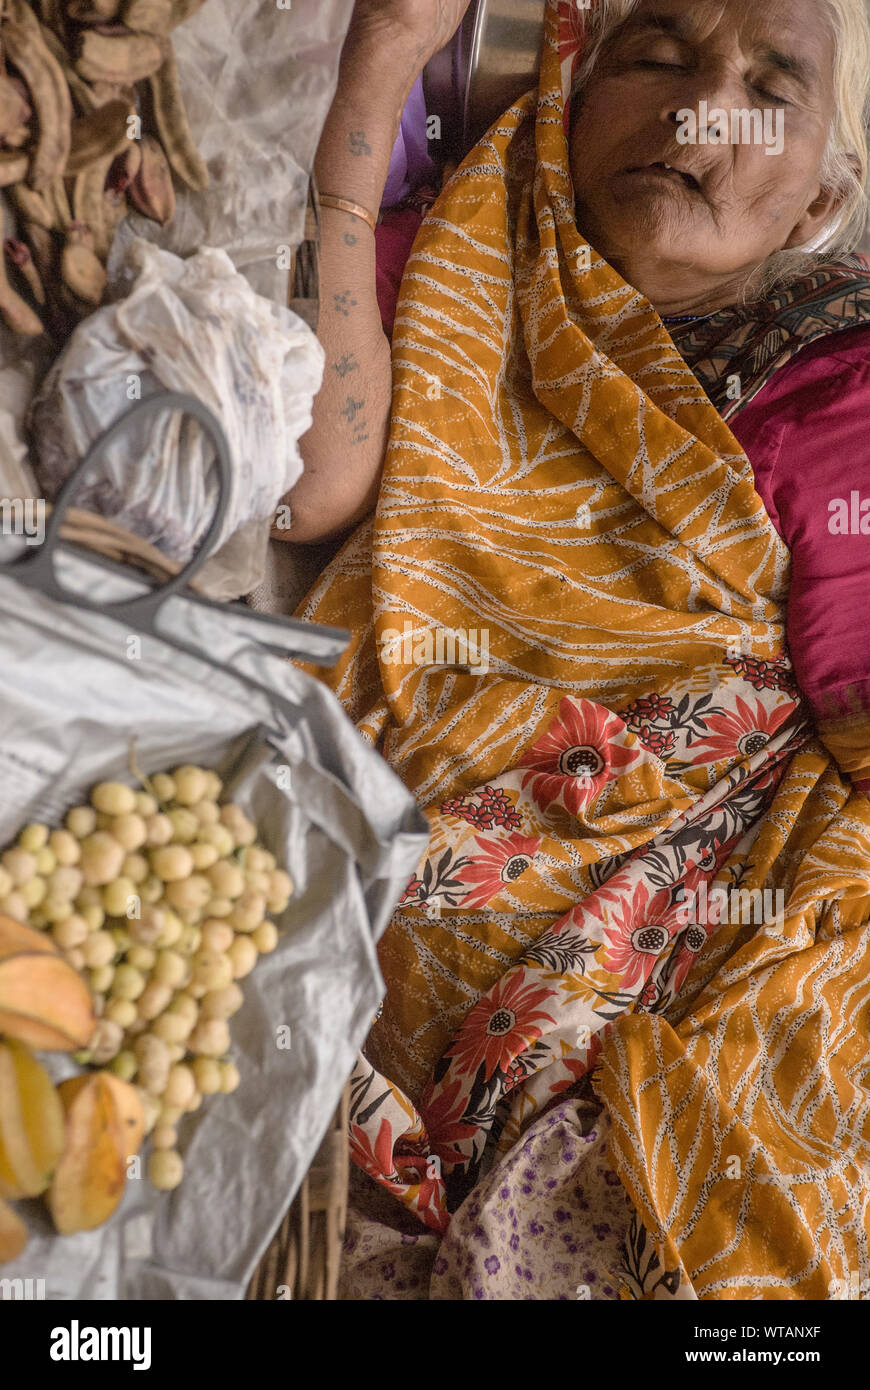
(344, 302)
(350, 239)
(345, 365)
(354, 414)
(358, 143)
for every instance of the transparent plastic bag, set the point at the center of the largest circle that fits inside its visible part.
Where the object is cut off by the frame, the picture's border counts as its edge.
(194, 326)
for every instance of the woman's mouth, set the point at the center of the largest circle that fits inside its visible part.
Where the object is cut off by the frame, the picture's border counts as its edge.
(669, 173)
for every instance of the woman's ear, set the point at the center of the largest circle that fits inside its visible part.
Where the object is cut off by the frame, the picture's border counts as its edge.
(821, 211)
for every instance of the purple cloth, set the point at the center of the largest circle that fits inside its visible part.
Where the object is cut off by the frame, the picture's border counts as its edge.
(411, 165)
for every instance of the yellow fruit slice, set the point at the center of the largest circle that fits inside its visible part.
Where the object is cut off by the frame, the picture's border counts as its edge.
(13, 1234)
(42, 1109)
(129, 1111)
(18, 1157)
(15, 938)
(44, 1002)
(8, 1184)
(89, 1180)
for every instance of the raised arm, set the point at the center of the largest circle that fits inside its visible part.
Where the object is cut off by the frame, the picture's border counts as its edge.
(387, 47)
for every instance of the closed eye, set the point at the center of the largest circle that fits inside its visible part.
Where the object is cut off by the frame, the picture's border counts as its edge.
(772, 96)
(651, 63)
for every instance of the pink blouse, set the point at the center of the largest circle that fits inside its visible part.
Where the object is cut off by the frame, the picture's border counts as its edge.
(807, 436)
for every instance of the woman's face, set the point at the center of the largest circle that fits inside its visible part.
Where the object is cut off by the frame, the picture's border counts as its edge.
(692, 241)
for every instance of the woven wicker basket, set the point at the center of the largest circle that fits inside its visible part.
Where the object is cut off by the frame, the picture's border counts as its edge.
(304, 1258)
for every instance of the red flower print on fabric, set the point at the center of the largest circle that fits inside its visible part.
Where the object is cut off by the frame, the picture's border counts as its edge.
(414, 891)
(660, 744)
(632, 954)
(443, 1110)
(742, 733)
(577, 756)
(427, 1184)
(764, 675)
(636, 932)
(485, 809)
(578, 1067)
(376, 1159)
(501, 864)
(501, 1025)
(647, 710)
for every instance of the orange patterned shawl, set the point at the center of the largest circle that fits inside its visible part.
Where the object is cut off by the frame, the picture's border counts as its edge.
(557, 477)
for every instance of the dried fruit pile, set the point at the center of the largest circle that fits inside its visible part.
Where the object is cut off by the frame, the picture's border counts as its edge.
(70, 1142)
(160, 898)
(91, 120)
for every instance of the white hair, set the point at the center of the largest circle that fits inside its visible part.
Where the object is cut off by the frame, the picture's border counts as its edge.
(846, 161)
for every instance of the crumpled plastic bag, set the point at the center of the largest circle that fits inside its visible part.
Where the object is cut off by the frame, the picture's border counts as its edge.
(258, 80)
(194, 326)
(20, 368)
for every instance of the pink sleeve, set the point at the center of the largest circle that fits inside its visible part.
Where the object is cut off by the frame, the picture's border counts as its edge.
(807, 435)
(393, 241)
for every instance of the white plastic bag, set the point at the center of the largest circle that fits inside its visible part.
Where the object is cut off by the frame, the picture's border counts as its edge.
(258, 80)
(194, 326)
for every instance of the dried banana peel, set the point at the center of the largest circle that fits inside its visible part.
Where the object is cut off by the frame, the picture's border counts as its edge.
(50, 13)
(15, 310)
(88, 206)
(148, 16)
(93, 11)
(20, 255)
(73, 151)
(13, 167)
(58, 202)
(14, 110)
(173, 129)
(80, 91)
(25, 47)
(81, 268)
(101, 132)
(151, 191)
(33, 207)
(118, 57)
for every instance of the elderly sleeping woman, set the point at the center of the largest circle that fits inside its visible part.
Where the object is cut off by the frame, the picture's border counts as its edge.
(605, 497)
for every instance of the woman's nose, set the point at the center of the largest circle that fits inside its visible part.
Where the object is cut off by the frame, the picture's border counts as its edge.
(719, 88)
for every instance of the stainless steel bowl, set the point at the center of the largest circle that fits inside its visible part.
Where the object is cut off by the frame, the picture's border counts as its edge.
(492, 60)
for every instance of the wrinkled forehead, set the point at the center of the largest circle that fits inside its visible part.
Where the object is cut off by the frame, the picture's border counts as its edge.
(796, 33)
(794, 36)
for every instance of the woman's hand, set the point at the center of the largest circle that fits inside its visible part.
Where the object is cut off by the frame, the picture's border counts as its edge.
(420, 28)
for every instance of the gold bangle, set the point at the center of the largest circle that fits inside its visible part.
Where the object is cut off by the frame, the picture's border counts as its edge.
(329, 200)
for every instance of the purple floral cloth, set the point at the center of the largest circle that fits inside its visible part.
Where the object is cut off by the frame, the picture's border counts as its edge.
(388, 1254)
(549, 1221)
